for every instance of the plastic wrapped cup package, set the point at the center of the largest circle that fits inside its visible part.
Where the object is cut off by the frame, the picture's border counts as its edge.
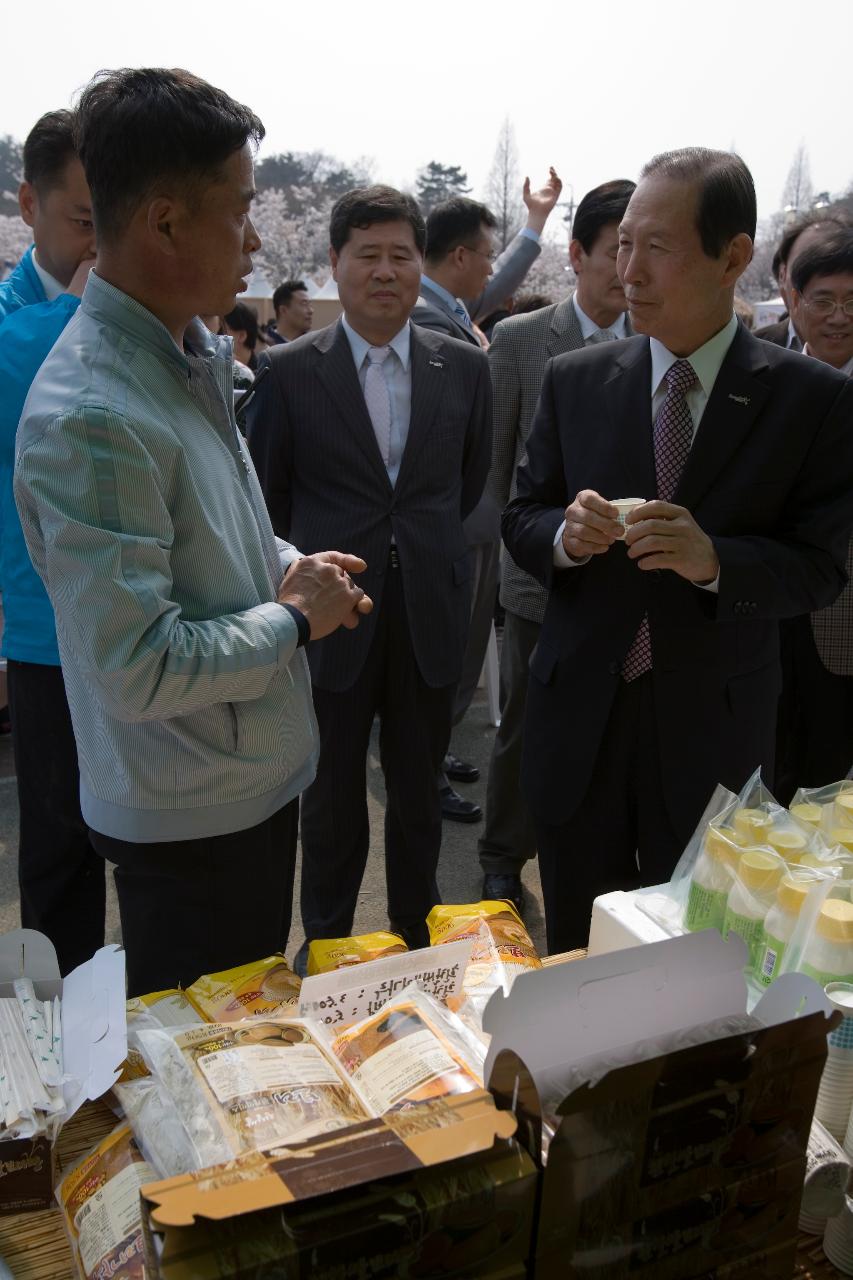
(838, 1239)
(825, 1186)
(835, 1095)
(625, 506)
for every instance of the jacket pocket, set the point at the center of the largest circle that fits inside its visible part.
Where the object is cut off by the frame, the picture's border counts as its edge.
(543, 663)
(462, 569)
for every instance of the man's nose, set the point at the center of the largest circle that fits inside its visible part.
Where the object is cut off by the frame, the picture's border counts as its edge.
(251, 240)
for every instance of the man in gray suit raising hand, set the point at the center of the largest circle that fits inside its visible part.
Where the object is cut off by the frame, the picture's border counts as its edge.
(520, 350)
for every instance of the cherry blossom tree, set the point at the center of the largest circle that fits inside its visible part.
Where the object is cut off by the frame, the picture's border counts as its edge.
(294, 229)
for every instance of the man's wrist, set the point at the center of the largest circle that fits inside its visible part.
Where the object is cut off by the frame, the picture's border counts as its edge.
(303, 626)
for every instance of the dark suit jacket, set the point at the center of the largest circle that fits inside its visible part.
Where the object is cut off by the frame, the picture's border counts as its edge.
(769, 478)
(776, 333)
(431, 312)
(326, 487)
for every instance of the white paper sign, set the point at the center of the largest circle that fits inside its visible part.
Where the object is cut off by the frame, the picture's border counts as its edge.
(347, 995)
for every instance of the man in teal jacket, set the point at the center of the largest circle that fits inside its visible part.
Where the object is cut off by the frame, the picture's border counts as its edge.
(61, 877)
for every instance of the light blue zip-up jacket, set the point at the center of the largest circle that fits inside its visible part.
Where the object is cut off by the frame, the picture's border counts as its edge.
(29, 326)
(190, 701)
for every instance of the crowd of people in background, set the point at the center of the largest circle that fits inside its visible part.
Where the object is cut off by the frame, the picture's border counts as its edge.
(201, 626)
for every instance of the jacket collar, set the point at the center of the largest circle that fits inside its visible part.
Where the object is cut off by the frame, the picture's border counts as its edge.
(118, 310)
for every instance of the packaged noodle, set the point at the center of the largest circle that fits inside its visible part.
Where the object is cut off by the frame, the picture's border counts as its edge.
(158, 1009)
(326, 954)
(264, 987)
(242, 1086)
(411, 1050)
(502, 946)
(99, 1200)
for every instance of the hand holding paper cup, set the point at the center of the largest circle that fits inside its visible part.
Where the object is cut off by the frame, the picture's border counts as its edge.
(625, 506)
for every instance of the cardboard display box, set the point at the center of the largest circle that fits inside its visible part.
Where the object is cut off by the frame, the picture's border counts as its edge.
(94, 1044)
(441, 1189)
(675, 1160)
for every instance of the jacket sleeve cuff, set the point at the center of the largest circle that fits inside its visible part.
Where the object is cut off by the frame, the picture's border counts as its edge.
(284, 627)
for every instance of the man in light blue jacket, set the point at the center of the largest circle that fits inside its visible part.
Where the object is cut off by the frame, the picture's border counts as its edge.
(180, 617)
(60, 876)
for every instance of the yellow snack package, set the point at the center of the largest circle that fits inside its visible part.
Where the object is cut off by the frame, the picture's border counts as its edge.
(263, 987)
(502, 946)
(99, 1199)
(408, 1052)
(326, 954)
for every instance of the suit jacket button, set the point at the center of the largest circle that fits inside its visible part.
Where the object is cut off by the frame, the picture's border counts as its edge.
(614, 668)
(737, 606)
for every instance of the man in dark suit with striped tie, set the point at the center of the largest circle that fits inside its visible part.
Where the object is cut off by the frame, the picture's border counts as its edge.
(376, 434)
(656, 675)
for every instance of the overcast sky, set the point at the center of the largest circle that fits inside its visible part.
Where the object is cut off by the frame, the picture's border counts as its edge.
(594, 88)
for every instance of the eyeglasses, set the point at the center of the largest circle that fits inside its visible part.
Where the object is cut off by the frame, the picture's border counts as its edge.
(825, 307)
(490, 257)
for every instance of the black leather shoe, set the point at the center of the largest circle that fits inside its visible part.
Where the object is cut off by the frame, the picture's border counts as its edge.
(499, 887)
(458, 810)
(460, 770)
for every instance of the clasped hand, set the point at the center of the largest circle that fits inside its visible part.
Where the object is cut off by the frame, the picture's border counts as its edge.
(658, 535)
(321, 588)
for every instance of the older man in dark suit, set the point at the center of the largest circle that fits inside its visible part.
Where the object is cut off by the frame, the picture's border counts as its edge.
(376, 434)
(657, 672)
(594, 312)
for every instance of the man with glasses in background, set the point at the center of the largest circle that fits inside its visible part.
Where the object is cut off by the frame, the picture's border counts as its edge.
(815, 743)
(463, 280)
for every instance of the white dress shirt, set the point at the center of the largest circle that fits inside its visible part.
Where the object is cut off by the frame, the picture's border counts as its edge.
(589, 328)
(397, 371)
(707, 362)
(52, 288)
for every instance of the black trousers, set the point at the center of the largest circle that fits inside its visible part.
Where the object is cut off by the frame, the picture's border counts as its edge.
(814, 739)
(414, 733)
(485, 560)
(60, 876)
(509, 839)
(190, 907)
(622, 821)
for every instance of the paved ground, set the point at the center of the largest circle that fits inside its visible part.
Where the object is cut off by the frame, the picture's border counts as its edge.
(460, 879)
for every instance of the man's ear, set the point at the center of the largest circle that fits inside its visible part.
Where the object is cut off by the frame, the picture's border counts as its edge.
(162, 219)
(28, 202)
(738, 257)
(576, 256)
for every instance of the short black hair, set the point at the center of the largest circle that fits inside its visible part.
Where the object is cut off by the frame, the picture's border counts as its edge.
(364, 206)
(830, 257)
(817, 218)
(244, 318)
(283, 295)
(454, 222)
(139, 127)
(49, 146)
(599, 208)
(726, 205)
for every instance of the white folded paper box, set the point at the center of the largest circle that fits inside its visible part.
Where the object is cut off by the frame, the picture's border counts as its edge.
(94, 1045)
(680, 1124)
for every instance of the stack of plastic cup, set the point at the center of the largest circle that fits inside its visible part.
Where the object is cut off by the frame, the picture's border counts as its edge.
(827, 1176)
(838, 1239)
(835, 1095)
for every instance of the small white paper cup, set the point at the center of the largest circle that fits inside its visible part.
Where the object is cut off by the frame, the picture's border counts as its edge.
(625, 506)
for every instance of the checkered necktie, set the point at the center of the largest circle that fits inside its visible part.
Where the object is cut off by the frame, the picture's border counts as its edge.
(673, 435)
(378, 400)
